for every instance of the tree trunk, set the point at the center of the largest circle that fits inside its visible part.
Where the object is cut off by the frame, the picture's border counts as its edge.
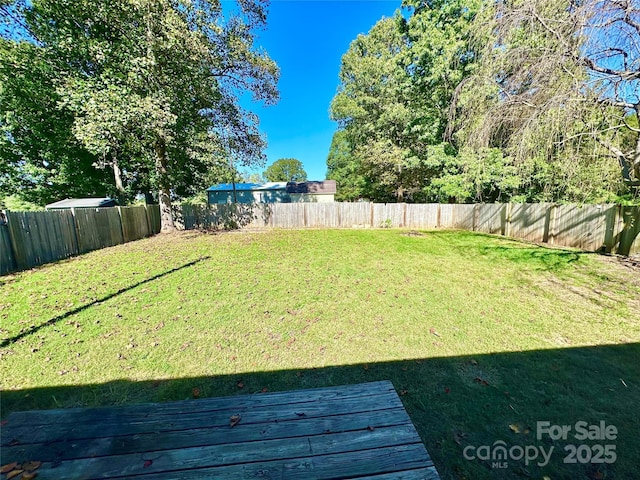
(117, 175)
(164, 187)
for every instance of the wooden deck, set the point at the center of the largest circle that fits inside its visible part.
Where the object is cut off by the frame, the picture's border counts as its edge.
(351, 431)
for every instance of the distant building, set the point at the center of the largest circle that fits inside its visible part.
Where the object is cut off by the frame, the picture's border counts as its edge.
(82, 203)
(273, 192)
(320, 192)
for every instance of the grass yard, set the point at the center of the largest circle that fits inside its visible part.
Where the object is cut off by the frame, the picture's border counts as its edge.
(481, 336)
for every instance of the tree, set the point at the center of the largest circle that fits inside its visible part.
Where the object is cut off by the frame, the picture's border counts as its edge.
(344, 168)
(557, 91)
(154, 85)
(396, 84)
(285, 170)
(40, 160)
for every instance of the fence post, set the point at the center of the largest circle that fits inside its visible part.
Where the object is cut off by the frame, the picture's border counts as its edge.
(507, 220)
(553, 224)
(371, 214)
(404, 215)
(146, 214)
(76, 237)
(304, 215)
(124, 240)
(475, 217)
(438, 215)
(12, 241)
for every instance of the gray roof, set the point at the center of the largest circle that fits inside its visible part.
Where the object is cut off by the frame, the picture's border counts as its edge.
(83, 203)
(228, 187)
(318, 188)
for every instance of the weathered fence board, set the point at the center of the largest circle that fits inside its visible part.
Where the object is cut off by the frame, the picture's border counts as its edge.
(491, 218)
(98, 228)
(153, 212)
(423, 215)
(529, 221)
(388, 215)
(7, 261)
(629, 237)
(583, 227)
(135, 224)
(322, 215)
(41, 237)
(287, 215)
(29, 239)
(462, 216)
(354, 214)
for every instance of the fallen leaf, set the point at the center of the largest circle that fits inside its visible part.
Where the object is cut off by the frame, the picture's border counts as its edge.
(195, 392)
(8, 467)
(234, 420)
(370, 428)
(301, 414)
(29, 476)
(474, 363)
(147, 463)
(366, 367)
(459, 436)
(514, 428)
(31, 466)
(480, 381)
(447, 389)
(240, 384)
(14, 473)
(433, 332)
(403, 392)
(265, 390)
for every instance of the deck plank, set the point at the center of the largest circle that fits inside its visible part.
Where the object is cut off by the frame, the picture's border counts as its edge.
(233, 453)
(141, 411)
(146, 442)
(337, 432)
(114, 426)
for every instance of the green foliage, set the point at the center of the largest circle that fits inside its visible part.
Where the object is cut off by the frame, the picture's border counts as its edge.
(150, 88)
(15, 203)
(396, 84)
(466, 100)
(343, 167)
(285, 170)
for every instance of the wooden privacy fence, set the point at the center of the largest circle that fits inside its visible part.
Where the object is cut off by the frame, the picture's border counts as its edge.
(608, 228)
(29, 239)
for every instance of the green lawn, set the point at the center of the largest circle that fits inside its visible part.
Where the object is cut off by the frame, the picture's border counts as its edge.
(481, 336)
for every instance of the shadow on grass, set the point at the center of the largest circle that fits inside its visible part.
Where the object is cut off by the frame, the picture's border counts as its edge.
(30, 331)
(454, 402)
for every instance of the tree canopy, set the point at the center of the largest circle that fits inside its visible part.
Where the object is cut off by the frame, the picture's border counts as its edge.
(472, 100)
(147, 89)
(285, 170)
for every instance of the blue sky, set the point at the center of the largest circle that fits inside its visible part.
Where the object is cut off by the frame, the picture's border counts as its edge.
(307, 40)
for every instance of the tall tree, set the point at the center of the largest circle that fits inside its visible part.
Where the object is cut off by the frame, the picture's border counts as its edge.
(396, 84)
(285, 170)
(154, 85)
(40, 159)
(558, 91)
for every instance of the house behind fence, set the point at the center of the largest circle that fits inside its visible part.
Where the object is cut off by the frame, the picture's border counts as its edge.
(29, 239)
